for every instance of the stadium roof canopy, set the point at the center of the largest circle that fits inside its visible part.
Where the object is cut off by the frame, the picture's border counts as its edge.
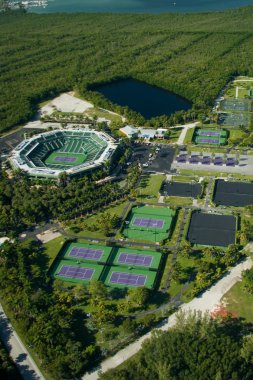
(70, 151)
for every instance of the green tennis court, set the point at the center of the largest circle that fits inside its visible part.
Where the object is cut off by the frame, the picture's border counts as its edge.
(85, 252)
(70, 271)
(136, 258)
(148, 223)
(119, 277)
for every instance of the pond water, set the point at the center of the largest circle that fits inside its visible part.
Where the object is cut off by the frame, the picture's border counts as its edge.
(149, 101)
(139, 6)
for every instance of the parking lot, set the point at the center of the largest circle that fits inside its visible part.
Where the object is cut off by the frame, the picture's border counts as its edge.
(215, 162)
(9, 142)
(156, 158)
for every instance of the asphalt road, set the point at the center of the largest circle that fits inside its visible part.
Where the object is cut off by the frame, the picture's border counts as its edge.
(24, 362)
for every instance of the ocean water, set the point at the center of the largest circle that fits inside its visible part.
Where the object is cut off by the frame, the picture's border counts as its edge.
(139, 6)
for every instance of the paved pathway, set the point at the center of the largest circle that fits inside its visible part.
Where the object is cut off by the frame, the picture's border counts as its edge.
(205, 303)
(24, 362)
(181, 138)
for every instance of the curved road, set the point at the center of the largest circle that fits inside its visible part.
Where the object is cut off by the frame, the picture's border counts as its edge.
(206, 302)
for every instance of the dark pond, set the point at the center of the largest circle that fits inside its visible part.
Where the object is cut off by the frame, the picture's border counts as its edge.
(149, 101)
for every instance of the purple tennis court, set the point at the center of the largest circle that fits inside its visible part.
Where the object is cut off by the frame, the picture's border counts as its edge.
(128, 279)
(133, 259)
(209, 140)
(72, 271)
(209, 133)
(148, 222)
(65, 159)
(86, 253)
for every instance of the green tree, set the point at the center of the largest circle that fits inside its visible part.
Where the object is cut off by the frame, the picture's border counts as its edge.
(138, 296)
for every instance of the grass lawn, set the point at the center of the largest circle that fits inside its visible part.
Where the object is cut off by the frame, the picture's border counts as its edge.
(98, 112)
(198, 148)
(52, 248)
(173, 239)
(166, 270)
(149, 187)
(88, 224)
(178, 201)
(184, 178)
(188, 268)
(189, 136)
(175, 133)
(203, 173)
(235, 134)
(239, 301)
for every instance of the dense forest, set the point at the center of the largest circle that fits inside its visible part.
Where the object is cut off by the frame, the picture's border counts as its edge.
(24, 203)
(193, 55)
(196, 348)
(44, 315)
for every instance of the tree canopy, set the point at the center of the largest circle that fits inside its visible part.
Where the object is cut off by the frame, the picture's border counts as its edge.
(196, 348)
(193, 55)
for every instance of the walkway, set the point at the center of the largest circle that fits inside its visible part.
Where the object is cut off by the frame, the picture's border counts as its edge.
(209, 192)
(205, 303)
(24, 362)
(181, 138)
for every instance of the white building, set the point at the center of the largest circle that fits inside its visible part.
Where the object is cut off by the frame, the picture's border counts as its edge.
(145, 133)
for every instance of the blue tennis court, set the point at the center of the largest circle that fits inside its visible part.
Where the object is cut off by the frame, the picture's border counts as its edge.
(72, 271)
(133, 259)
(86, 253)
(128, 279)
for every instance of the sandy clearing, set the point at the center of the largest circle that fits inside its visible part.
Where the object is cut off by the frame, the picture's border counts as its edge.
(66, 103)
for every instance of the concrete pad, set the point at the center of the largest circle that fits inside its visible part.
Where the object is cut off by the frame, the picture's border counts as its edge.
(46, 236)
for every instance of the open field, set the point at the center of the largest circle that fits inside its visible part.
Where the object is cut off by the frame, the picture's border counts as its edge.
(204, 173)
(52, 248)
(98, 113)
(178, 201)
(149, 187)
(240, 302)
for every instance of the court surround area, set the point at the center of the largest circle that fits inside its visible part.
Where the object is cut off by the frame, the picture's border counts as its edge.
(212, 229)
(235, 105)
(210, 137)
(232, 119)
(116, 267)
(148, 223)
(181, 189)
(120, 277)
(72, 151)
(238, 194)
